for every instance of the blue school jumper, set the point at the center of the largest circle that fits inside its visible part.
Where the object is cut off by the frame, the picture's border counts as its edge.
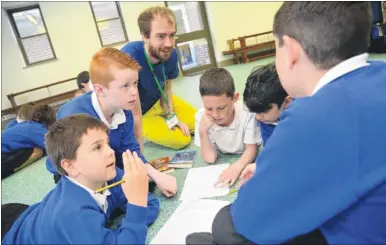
(121, 138)
(70, 215)
(24, 135)
(324, 168)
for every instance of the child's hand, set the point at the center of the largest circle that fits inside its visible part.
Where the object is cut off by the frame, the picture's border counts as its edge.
(206, 123)
(229, 176)
(136, 184)
(167, 184)
(247, 173)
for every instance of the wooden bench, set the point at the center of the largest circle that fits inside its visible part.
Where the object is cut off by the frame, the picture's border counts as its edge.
(259, 49)
(49, 100)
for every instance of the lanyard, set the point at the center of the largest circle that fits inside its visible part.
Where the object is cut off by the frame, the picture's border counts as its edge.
(165, 96)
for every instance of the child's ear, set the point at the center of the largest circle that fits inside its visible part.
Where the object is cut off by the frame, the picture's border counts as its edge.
(236, 96)
(69, 167)
(99, 90)
(287, 101)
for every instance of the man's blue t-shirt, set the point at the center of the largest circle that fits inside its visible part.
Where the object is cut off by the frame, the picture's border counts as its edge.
(148, 91)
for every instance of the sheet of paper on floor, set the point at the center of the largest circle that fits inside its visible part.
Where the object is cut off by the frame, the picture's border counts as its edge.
(190, 216)
(199, 183)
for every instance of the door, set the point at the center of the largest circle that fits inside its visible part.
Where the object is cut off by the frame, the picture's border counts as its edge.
(194, 43)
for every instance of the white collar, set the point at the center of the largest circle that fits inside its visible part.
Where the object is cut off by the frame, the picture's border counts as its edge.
(341, 69)
(119, 117)
(100, 198)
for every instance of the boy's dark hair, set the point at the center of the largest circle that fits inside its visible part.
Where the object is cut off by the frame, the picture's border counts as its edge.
(64, 137)
(263, 89)
(82, 78)
(329, 32)
(26, 112)
(44, 114)
(216, 82)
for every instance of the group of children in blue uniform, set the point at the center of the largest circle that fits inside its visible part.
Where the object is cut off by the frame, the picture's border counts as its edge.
(320, 178)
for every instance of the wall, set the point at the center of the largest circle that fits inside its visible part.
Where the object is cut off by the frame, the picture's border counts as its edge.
(229, 20)
(74, 37)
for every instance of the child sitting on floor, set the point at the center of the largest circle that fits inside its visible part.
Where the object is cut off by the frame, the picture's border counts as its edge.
(23, 143)
(74, 212)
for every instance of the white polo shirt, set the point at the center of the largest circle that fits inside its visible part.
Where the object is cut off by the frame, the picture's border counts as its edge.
(231, 139)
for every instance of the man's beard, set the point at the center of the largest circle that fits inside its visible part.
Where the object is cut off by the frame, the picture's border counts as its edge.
(157, 54)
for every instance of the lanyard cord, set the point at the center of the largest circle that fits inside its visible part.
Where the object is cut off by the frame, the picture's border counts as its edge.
(165, 96)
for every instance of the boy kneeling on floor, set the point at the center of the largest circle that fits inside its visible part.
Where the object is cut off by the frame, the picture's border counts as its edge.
(73, 213)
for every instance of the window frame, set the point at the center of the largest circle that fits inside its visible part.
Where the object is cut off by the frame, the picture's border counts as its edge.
(106, 20)
(10, 13)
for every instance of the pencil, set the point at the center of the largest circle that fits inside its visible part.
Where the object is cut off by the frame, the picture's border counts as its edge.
(232, 191)
(109, 186)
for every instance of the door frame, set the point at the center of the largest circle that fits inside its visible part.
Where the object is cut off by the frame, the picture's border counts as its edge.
(191, 36)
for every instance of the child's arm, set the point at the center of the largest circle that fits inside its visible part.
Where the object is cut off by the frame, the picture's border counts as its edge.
(207, 148)
(37, 134)
(88, 226)
(153, 205)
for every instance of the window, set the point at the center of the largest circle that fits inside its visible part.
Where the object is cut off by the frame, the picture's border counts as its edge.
(31, 33)
(109, 23)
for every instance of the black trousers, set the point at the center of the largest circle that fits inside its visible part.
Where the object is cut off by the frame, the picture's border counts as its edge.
(224, 232)
(10, 212)
(13, 160)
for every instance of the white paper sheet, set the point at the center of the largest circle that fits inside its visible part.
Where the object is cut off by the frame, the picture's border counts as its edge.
(199, 183)
(190, 216)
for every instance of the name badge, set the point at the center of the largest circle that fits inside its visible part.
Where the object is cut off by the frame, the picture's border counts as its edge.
(171, 121)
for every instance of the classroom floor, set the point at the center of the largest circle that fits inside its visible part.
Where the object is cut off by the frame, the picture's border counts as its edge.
(31, 184)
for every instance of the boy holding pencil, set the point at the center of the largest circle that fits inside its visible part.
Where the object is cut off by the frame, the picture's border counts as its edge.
(75, 212)
(114, 76)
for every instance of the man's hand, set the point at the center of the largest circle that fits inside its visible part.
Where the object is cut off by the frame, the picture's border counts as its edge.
(229, 176)
(136, 184)
(167, 184)
(247, 173)
(206, 123)
(184, 128)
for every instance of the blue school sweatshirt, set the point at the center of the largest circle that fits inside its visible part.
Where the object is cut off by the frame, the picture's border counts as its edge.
(121, 138)
(24, 135)
(12, 123)
(325, 167)
(70, 215)
(266, 131)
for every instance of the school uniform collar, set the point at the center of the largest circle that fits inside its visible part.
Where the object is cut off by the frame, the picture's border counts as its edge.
(234, 123)
(100, 198)
(119, 117)
(341, 69)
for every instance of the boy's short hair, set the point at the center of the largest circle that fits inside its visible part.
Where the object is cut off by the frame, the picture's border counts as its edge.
(104, 59)
(26, 112)
(44, 114)
(83, 77)
(147, 16)
(216, 82)
(64, 137)
(329, 32)
(263, 89)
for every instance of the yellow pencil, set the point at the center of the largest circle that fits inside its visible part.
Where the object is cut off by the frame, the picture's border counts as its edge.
(109, 186)
(232, 191)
